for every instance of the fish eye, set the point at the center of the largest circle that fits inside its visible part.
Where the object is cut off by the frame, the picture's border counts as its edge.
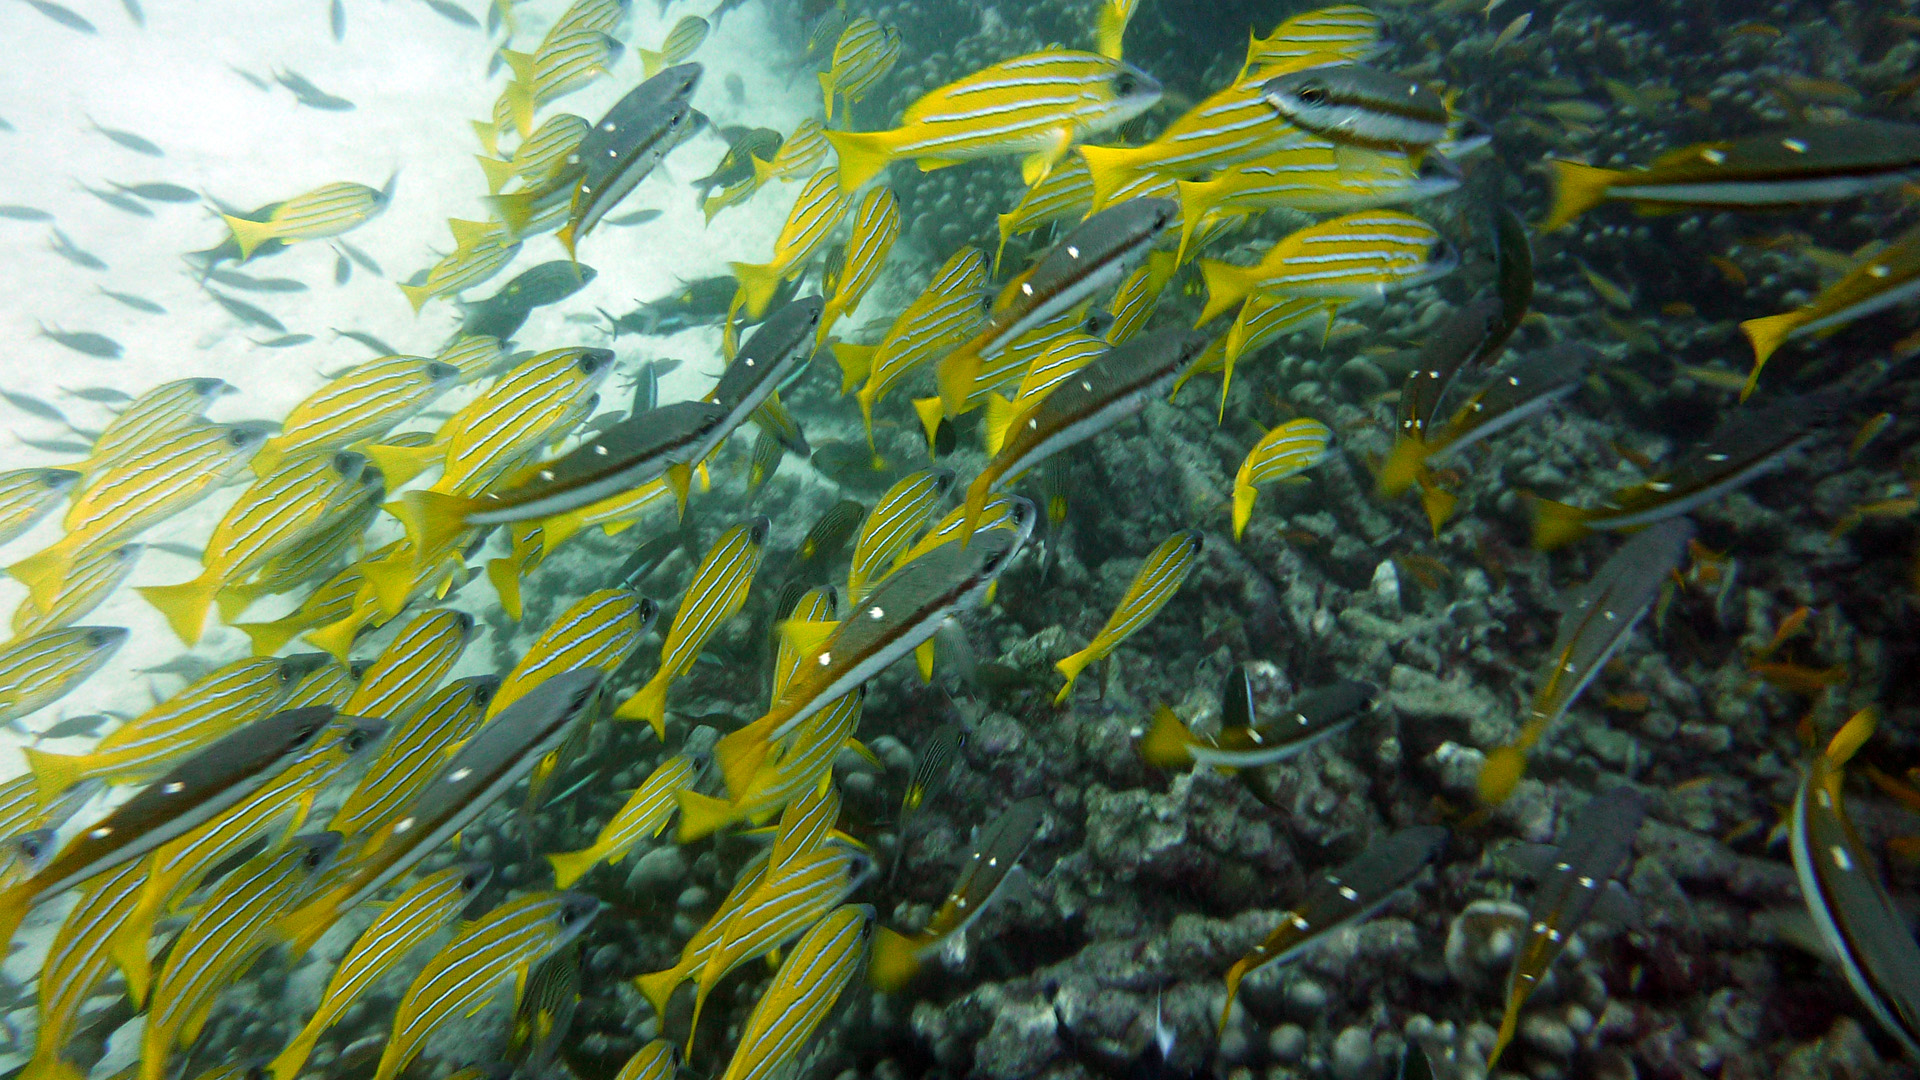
(354, 741)
(990, 564)
(472, 880)
(1312, 94)
(1125, 84)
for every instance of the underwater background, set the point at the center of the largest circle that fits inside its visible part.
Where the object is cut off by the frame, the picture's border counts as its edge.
(1084, 538)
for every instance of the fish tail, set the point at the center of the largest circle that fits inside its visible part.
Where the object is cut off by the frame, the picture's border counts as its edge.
(893, 962)
(657, 987)
(976, 505)
(1501, 773)
(185, 605)
(1193, 203)
(956, 374)
(1164, 746)
(1227, 285)
(287, 1065)
(47, 1064)
(1005, 222)
(233, 601)
(649, 703)
(505, 577)
(561, 527)
(417, 295)
(268, 457)
(128, 947)
(519, 95)
(1243, 496)
(738, 756)
(1437, 501)
(520, 63)
(1555, 524)
(1402, 466)
(931, 412)
(856, 363)
(1071, 667)
(762, 172)
(651, 62)
(488, 134)
(336, 639)
(55, 773)
(826, 88)
(701, 815)
(249, 234)
(44, 572)
(433, 520)
(1110, 166)
(515, 209)
(679, 477)
(1577, 189)
(400, 464)
(758, 283)
(569, 866)
(308, 923)
(498, 172)
(1767, 335)
(863, 156)
(1509, 1023)
(268, 637)
(13, 911)
(999, 419)
(1851, 737)
(1234, 974)
(1109, 27)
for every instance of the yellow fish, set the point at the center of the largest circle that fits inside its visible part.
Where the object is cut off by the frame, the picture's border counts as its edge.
(364, 403)
(1286, 451)
(802, 994)
(818, 211)
(876, 224)
(40, 670)
(325, 211)
(862, 56)
(643, 816)
(1159, 577)
(1889, 278)
(718, 589)
(1363, 254)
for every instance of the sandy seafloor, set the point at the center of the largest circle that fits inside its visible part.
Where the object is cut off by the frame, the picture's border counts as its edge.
(416, 80)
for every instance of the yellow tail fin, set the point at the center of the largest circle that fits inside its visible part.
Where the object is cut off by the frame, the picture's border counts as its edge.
(894, 961)
(999, 419)
(488, 135)
(1227, 285)
(739, 755)
(702, 815)
(47, 1064)
(268, 457)
(1577, 189)
(1109, 28)
(390, 583)
(923, 660)
(956, 374)
(1195, 197)
(659, 986)
(1111, 167)
(1555, 525)
(400, 464)
(1006, 222)
(1437, 501)
(55, 773)
(515, 209)
(498, 172)
(863, 156)
(1501, 773)
(1851, 737)
(250, 234)
(652, 62)
(569, 866)
(931, 412)
(519, 95)
(976, 504)
(336, 639)
(649, 703)
(758, 283)
(1767, 335)
(1071, 667)
(826, 88)
(417, 295)
(856, 363)
(269, 637)
(1165, 745)
(13, 911)
(520, 63)
(44, 572)
(1402, 467)
(1243, 497)
(505, 575)
(185, 605)
(234, 600)
(433, 520)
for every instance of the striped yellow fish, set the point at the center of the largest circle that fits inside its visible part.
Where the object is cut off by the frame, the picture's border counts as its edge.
(217, 703)
(39, 670)
(681, 42)
(76, 963)
(718, 589)
(1067, 355)
(161, 411)
(168, 475)
(601, 630)
(405, 673)
(946, 313)
(364, 403)
(601, 15)
(1343, 32)
(27, 495)
(313, 558)
(864, 54)
(94, 576)
(1158, 578)
(1036, 105)
(800, 155)
(539, 157)
(557, 68)
(1064, 194)
(476, 355)
(1312, 179)
(270, 517)
(328, 210)
(804, 825)
(1286, 451)
(330, 684)
(1355, 256)
(416, 915)
(230, 929)
(801, 994)
(1135, 301)
(806, 760)
(658, 1060)
(814, 215)
(891, 525)
(815, 605)
(504, 942)
(658, 986)
(644, 815)
(332, 601)
(469, 264)
(876, 224)
(411, 754)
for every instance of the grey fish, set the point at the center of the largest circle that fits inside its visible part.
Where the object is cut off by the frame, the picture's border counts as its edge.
(64, 247)
(16, 212)
(362, 258)
(285, 341)
(371, 342)
(56, 446)
(33, 406)
(258, 82)
(135, 13)
(95, 345)
(159, 191)
(128, 139)
(638, 217)
(646, 384)
(743, 145)
(308, 94)
(75, 727)
(246, 312)
(101, 395)
(1354, 103)
(1521, 389)
(337, 19)
(453, 13)
(342, 268)
(505, 312)
(932, 767)
(137, 303)
(64, 16)
(123, 203)
(645, 560)
(233, 279)
(5, 126)
(781, 346)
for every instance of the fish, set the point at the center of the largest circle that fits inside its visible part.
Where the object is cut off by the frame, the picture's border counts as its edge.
(561, 65)
(363, 404)
(16, 212)
(799, 155)
(768, 453)
(743, 146)
(807, 758)
(65, 16)
(876, 225)
(1160, 575)
(539, 156)
(1365, 254)
(337, 19)
(210, 708)
(862, 56)
(404, 675)
(1312, 179)
(39, 670)
(601, 631)
(77, 962)
(408, 759)
(1840, 882)
(776, 352)
(502, 315)
(1747, 443)
(1888, 278)
(73, 727)
(285, 341)
(1356, 105)
(827, 539)
(96, 574)
(1037, 105)
(997, 851)
(1116, 386)
(248, 283)
(1060, 362)
(101, 395)
(272, 515)
(453, 13)
(658, 1060)
(490, 247)
(230, 929)
(165, 409)
(818, 211)
(643, 816)
(1097, 255)
(1285, 452)
(898, 617)
(681, 42)
(198, 789)
(1346, 31)
(310, 95)
(1243, 742)
(467, 782)
(506, 941)
(1599, 838)
(28, 495)
(248, 313)
(1809, 164)
(1596, 622)
(158, 191)
(85, 342)
(945, 314)
(932, 767)
(416, 915)
(324, 212)
(379, 347)
(128, 139)
(1345, 896)
(717, 591)
(1065, 194)
(169, 474)
(123, 203)
(891, 525)
(802, 993)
